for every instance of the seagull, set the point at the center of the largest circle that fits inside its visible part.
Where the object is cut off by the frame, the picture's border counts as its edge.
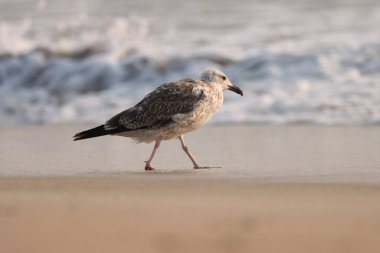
(170, 111)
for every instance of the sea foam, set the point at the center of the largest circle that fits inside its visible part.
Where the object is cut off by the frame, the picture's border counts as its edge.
(304, 63)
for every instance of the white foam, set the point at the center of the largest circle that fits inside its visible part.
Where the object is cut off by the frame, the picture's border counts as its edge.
(323, 71)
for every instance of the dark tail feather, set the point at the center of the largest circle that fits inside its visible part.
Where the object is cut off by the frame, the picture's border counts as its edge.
(97, 131)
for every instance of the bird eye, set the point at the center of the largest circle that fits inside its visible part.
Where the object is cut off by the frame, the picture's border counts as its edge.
(224, 77)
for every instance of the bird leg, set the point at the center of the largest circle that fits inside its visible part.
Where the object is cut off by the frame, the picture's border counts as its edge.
(187, 151)
(147, 163)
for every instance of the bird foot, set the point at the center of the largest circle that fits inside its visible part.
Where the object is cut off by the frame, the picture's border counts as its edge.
(205, 167)
(201, 167)
(148, 167)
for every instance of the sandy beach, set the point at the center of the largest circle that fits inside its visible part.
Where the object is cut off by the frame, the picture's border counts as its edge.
(294, 163)
(279, 189)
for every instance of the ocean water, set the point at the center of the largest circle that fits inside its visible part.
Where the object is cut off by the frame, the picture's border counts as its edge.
(298, 61)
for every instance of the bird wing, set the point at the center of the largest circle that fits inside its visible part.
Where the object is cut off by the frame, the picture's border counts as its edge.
(158, 107)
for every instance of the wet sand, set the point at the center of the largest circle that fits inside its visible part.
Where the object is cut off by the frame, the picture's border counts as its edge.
(244, 153)
(280, 189)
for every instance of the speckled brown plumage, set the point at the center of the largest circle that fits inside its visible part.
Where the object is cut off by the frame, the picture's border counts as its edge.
(158, 107)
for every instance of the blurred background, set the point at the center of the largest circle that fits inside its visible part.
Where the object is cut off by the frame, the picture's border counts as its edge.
(298, 61)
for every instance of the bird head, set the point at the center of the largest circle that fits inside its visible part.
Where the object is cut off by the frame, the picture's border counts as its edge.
(217, 77)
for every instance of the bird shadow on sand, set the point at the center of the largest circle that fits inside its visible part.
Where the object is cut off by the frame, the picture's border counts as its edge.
(169, 172)
(177, 171)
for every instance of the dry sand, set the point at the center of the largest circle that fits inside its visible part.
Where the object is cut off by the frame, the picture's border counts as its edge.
(121, 215)
(280, 189)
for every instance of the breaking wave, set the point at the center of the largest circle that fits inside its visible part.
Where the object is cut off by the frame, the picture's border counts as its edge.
(86, 71)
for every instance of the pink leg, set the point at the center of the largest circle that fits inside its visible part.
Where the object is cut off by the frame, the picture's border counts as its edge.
(147, 163)
(187, 151)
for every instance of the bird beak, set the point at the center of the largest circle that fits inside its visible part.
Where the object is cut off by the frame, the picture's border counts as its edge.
(236, 89)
